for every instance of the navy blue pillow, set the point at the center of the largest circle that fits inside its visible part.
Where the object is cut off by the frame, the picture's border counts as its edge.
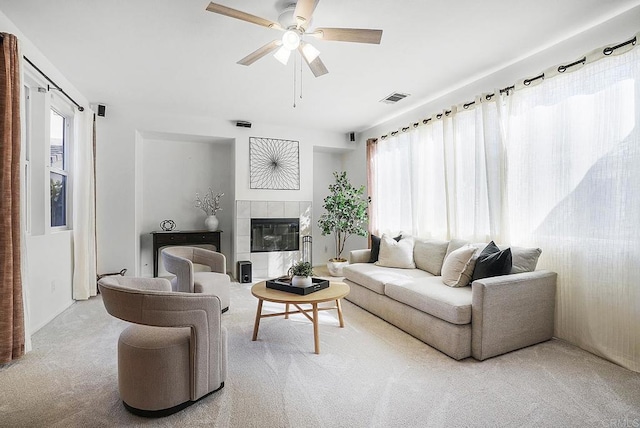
(375, 247)
(492, 262)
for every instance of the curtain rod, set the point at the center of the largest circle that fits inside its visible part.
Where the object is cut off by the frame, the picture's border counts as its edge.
(55, 86)
(561, 69)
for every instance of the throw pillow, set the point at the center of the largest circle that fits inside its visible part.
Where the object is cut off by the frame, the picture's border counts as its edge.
(398, 254)
(492, 262)
(428, 255)
(524, 259)
(375, 247)
(458, 266)
(454, 244)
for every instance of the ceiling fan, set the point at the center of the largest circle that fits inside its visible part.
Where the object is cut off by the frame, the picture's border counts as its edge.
(294, 21)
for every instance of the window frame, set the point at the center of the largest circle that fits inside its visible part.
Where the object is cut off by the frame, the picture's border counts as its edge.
(26, 159)
(39, 99)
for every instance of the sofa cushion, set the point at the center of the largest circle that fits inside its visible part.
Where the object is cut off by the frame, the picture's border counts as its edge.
(375, 277)
(428, 254)
(492, 262)
(430, 295)
(397, 254)
(375, 247)
(524, 259)
(458, 266)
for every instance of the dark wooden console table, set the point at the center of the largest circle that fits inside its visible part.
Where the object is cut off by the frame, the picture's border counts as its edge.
(183, 237)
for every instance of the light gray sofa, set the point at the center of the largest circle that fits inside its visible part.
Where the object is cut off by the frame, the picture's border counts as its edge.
(490, 317)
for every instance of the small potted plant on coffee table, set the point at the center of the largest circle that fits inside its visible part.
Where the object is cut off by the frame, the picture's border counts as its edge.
(300, 274)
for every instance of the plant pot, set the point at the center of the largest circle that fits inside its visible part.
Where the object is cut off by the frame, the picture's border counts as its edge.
(301, 281)
(335, 266)
(211, 222)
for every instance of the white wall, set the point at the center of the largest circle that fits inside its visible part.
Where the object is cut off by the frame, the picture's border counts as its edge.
(120, 177)
(49, 277)
(173, 170)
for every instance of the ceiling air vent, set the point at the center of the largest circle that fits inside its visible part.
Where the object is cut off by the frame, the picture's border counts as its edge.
(394, 98)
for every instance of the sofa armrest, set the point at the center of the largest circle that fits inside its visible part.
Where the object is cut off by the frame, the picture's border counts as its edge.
(512, 311)
(360, 256)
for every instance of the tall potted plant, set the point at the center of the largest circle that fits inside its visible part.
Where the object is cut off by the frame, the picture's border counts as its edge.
(346, 215)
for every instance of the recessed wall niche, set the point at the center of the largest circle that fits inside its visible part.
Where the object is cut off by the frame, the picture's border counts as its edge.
(174, 168)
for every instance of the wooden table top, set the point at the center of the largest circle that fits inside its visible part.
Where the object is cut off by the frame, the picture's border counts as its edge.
(335, 291)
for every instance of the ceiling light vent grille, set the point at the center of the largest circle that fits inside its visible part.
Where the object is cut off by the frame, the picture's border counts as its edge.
(394, 98)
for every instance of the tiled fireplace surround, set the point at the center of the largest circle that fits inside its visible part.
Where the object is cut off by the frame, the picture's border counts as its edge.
(271, 264)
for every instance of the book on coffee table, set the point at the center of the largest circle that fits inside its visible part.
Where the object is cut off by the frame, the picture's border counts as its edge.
(284, 284)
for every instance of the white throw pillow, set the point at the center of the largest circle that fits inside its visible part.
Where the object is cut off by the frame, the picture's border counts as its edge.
(524, 259)
(396, 254)
(458, 266)
(428, 254)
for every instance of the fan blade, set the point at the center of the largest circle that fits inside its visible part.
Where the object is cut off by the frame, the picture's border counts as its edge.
(317, 66)
(304, 11)
(357, 35)
(243, 16)
(259, 53)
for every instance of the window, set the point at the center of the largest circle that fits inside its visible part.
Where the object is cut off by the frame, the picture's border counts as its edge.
(58, 172)
(48, 140)
(27, 158)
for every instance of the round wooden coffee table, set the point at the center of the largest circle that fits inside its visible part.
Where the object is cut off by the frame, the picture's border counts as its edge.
(335, 292)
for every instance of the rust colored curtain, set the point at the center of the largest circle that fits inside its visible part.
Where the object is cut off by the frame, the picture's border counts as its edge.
(12, 338)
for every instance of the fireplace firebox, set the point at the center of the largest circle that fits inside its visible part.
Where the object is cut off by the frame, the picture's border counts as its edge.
(275, 234)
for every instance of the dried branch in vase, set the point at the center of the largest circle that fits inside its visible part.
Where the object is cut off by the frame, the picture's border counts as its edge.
(210, 203)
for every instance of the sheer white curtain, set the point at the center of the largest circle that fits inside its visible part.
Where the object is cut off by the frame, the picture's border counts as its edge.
(556, 165)
(574, 191)
(84, 248)
(435, 180)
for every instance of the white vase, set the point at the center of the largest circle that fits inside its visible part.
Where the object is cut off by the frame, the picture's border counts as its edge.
(335, 268)
(301, 281)
(211, 222)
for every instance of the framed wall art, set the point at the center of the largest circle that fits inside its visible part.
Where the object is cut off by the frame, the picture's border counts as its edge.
(274, 164)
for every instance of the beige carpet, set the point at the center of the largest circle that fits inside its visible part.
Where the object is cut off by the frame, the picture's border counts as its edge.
(369, 374)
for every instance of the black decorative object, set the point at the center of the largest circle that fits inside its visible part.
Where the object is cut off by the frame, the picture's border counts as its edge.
(167, 225)
(274, 164)
(284, 284)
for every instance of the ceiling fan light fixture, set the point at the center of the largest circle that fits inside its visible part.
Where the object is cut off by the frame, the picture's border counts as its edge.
(310, 52)
(282, 55)
(291, 40)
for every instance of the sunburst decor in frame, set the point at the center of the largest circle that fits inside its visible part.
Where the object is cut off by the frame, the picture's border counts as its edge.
(274, 164)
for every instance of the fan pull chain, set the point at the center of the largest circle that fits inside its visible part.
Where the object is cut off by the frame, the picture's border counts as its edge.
(300, 75)
(294, 82)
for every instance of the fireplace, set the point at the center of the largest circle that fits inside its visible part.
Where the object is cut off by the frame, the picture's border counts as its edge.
(275, 234)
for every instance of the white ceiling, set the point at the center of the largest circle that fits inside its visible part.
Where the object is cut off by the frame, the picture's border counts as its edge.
(174, 56)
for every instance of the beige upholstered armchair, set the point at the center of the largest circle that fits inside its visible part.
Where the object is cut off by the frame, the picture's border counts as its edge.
(174, 354)
(180, 260)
